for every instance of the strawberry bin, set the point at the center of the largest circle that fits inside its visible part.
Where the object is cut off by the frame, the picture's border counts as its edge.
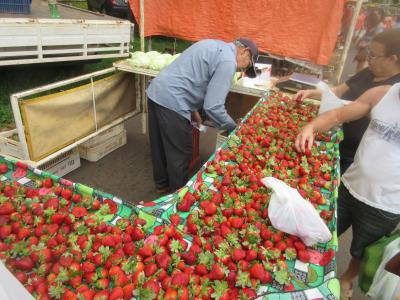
(210, 239)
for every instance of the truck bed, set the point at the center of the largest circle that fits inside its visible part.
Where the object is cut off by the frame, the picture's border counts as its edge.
(78, 35)
(40, 10)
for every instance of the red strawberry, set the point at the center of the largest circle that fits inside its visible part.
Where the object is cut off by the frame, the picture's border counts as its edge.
(102, 283)
(128, 290)
(146, 251)
(238, 254)
(23, 233)
(3, 168)
(209, 207)
(180, 279)
(76, 198)
(184, 205)
(121, 279)
(299, 245)
(112, 206)
(88, 267)
(153, 286)
(117, 293)
(216, 273)
(79, 211)
(236, 222)
(102, 295)
(175, 219)
(108, 240)
(150, 269)
(86, 295)
(47, 183)
(137, 234)
(189, 258)
(5, 231)
(251, 254)
(6, 208)
(52, 203)
(171, 294)
(57, 218)
(267, 277)
(281, 245)
(66, 260)
(303, 255)
(66, 194)
(201, 269)
(22, 277)
(24, 263)
(129, 248)
(327, 257)
(257, 271)
(163, 260)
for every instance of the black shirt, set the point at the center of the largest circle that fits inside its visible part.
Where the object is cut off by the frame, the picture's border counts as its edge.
(353, 131)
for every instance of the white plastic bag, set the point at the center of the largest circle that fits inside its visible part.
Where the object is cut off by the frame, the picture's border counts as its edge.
(329, 100)
(289, 212)
(386, 285)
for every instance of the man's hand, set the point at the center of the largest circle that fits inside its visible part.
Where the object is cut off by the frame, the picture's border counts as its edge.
(196, 118)
(238, 121)
(305, 138)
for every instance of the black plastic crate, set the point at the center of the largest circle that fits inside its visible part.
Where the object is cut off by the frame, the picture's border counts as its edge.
(15, 6)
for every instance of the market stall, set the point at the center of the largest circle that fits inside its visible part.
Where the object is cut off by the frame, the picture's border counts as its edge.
(214, 233)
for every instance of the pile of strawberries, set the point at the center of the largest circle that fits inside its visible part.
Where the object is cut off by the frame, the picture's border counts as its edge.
(58, 245)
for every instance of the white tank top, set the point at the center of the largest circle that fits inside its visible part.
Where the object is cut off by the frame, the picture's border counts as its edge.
(374, 176)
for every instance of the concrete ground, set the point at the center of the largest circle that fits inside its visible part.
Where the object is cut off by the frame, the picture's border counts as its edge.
(127, 173)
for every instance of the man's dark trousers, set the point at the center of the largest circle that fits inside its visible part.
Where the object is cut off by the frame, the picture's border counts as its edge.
(171, 146)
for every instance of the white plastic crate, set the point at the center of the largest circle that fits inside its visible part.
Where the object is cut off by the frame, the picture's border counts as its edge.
(9, 146)
(63, 164)
(97, 152)
(220, 139)
(104, 136)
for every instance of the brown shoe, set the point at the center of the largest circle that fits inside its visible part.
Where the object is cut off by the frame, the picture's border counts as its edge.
(163, 190)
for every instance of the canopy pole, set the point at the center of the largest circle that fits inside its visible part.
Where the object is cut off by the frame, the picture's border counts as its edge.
(141, 25)
(349, 38)
(142, 79)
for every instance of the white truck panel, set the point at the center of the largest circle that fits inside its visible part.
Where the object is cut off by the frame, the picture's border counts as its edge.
(88, 36)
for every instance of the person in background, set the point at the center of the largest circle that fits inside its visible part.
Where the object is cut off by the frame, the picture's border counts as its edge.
(369, 196)
(359, 25)
(383, 69)
(373, 25)
(200, 78)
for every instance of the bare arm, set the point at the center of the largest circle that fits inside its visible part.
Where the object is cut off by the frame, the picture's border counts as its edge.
(340, 89)
(316, 93)
(393, 265)
(356, 110)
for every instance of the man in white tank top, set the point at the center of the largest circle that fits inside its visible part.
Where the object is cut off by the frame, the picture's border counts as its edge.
(369, 196)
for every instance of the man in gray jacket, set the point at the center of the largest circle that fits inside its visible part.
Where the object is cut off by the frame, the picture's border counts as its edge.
(200, 78)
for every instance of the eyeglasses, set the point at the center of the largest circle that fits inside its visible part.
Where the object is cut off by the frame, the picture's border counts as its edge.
(248, 54)
(371, 55)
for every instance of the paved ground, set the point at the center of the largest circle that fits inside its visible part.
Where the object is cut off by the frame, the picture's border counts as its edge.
(126, 173)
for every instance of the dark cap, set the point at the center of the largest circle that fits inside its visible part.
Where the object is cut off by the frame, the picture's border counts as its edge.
(251, 71)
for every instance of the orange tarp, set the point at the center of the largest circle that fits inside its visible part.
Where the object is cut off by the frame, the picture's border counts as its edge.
(301, 29)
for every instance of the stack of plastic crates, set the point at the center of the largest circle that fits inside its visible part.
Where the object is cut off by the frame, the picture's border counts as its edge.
(15, 6)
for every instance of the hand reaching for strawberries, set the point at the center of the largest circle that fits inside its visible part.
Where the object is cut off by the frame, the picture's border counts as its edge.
(305, 138)
(303, 94)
